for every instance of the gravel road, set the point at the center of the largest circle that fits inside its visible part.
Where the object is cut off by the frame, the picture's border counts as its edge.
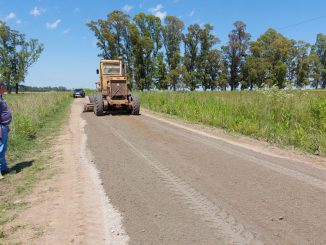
(174, 185)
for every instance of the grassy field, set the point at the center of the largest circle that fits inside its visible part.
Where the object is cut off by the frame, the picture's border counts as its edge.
(32, 114)
(37, 118)
(286, 118)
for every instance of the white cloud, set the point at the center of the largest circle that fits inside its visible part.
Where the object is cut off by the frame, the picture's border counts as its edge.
(10, 16)
(76, 10)
(18, 22)
(53, 25)
(127, 8)
(66, 31)
(192, 13)
(157, 11)
(161, 15)
(36, 11)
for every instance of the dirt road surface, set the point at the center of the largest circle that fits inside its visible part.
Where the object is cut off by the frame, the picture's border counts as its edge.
(177, 185)
(151, 180)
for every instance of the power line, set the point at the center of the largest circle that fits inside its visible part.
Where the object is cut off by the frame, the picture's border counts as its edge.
(303, 22)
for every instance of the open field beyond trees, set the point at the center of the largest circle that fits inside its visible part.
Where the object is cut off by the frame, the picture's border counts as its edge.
(286, 118)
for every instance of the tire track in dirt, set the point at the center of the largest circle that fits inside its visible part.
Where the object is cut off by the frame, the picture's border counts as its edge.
(232, 231)
(315, 182)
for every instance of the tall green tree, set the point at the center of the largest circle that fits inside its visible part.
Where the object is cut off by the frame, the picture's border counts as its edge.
(223, 79)
(137, 55)
(172, 37)
(112, 34)
(17, 56)
(149, 45)
(254, 72)
(10, 40)
(235, 52)
(321, 52)
(113, 38)
(209, 58)
(28, 54)
(191, 56)
(302, 69)
(273, 50)
(161, 72)
(177, 78)
(291, 62)
(213, 70)
(315, 68)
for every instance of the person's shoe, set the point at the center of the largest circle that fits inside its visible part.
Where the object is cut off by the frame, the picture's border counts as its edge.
(6, 171)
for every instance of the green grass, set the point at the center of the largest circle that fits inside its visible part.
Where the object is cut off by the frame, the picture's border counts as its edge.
(285, 118)
(34, 115)
(37, 119)
(91, 91)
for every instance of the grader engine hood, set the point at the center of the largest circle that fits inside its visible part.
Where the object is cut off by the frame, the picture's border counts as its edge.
(118, 88)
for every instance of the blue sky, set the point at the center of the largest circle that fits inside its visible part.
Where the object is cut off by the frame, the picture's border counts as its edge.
(70, 56)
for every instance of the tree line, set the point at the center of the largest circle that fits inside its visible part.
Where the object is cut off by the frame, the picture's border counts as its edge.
(17, 54)
(24, 88)
(166, 55)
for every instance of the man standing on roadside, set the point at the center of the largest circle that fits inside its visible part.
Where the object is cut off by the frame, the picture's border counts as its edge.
(5, 119)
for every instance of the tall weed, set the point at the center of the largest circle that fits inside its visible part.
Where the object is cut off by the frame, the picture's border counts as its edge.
(31, 111)
(283, 117)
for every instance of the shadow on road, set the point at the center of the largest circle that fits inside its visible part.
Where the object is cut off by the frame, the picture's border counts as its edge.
(120, 113)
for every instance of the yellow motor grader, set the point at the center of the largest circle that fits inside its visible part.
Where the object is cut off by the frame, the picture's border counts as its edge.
(115, 90)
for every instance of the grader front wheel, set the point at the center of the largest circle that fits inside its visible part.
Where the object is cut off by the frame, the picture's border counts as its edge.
(91, 98)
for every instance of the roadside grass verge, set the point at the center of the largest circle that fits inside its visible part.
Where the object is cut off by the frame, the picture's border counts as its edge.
(37, 119)
(284, 118)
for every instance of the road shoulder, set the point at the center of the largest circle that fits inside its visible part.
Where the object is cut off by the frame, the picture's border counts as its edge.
(240, 140)
(70, 206)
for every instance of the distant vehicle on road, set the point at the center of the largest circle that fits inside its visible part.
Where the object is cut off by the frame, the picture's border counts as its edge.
(78, 92)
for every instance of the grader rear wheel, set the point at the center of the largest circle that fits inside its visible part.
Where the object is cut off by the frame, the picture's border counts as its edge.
(98, 106)
(136, 106)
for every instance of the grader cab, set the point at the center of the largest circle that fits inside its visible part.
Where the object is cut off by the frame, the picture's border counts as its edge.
(115, 90)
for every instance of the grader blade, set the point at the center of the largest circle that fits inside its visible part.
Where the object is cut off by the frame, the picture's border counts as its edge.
(88, 107)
